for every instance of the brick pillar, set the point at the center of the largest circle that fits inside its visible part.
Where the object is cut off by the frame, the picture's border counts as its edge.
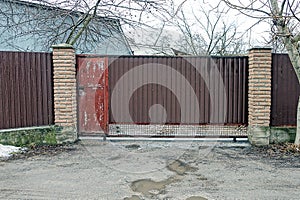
(259, 95)
(65, 102)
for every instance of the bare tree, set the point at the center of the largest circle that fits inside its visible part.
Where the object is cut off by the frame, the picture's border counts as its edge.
(200, 31)
(284, 18)
(152, 40)
(205, 32)
(76, 24)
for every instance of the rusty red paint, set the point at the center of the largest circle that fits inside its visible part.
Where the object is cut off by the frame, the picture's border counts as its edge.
(101, 100)
(93, 94)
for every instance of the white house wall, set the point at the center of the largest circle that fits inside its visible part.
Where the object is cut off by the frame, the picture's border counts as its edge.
(31, 27)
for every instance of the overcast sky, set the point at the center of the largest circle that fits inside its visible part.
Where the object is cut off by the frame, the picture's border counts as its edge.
(254, 37)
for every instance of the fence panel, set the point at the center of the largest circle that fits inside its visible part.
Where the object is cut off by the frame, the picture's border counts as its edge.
(178, 90)
(285, 91)
(25, 89)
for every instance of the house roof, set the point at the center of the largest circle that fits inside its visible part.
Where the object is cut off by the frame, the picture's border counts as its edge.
(111, 22)
(49, 6)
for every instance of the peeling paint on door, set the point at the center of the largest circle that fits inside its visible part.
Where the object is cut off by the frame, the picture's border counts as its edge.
(92, 94)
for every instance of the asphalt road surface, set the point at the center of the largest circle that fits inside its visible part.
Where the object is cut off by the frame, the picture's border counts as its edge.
(94, 169)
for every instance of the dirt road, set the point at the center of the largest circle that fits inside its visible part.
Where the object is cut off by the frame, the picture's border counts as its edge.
(93, 169)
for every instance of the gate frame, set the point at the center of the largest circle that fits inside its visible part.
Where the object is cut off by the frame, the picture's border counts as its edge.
(259, 95)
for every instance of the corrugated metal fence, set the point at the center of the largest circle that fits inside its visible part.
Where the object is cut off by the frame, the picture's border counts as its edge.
(150, 90)
(178, 90)
(25, 89)
(285, 91)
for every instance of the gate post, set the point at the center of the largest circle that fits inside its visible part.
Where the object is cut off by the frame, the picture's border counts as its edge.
(65, 100)
(259, 95)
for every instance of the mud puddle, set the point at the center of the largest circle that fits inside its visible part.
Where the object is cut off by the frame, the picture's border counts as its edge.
(196, 198)
(134, 197)
(150, 187)
(180, 168)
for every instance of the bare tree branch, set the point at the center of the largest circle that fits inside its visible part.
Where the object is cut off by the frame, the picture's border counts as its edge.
(207, 33)
(49, 20)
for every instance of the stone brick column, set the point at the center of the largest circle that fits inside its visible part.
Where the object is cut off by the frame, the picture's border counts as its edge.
(259, 95)
(65, 101)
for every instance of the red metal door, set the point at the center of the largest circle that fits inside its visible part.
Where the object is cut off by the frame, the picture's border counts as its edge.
(92, 94)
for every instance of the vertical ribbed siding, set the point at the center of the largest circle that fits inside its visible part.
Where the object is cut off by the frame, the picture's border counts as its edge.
(220, 86)
(285, 91)
(26, 89)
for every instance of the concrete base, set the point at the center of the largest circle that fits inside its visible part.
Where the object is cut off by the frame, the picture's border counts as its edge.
(38, 136)
(29, 136)
(259, 136)
(282, 135)
(66, 135)
(262, 136)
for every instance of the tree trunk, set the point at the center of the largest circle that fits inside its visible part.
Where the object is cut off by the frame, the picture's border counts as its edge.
(292, 49)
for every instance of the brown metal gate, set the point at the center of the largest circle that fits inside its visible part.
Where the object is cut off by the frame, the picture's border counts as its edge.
(150, 90)
(178, 90)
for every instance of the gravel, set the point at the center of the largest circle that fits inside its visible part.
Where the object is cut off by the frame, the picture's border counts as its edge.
(93, 169)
